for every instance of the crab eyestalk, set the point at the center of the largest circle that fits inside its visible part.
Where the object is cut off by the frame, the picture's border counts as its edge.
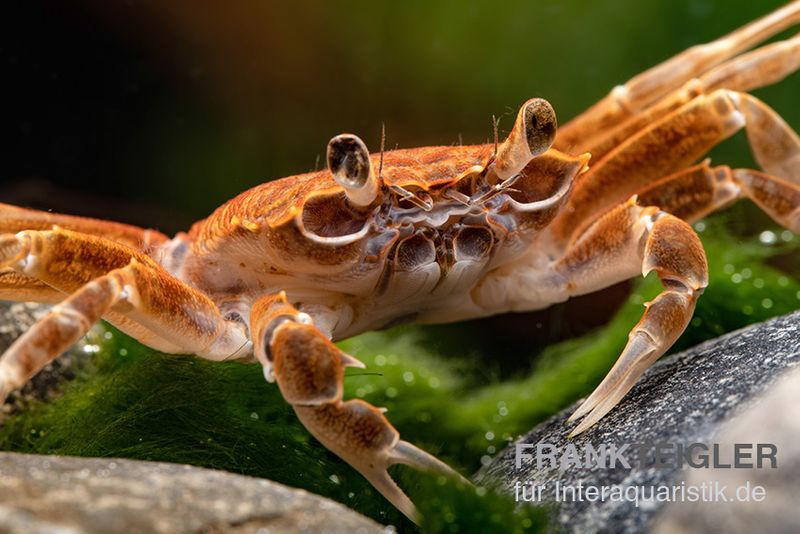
(533, 133)
(348, 161)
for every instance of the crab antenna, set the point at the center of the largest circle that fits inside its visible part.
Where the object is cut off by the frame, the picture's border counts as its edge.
(533, 133)
(348, 161)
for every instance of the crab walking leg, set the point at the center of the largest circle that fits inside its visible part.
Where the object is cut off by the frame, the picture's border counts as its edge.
(695, 192)
(764, 66)
(675, 142)
(21, 288)
(14, 219)
(644, 89)
(104, 278)
(66, 323)
(309, 370)
(630, 238)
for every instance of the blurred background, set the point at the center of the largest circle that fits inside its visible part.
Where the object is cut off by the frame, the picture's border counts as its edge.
(154, 112)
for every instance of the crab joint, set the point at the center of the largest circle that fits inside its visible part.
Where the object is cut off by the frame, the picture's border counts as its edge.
(533, 133)
(348, 161)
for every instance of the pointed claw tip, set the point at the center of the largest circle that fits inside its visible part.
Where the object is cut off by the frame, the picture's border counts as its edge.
(350, 361)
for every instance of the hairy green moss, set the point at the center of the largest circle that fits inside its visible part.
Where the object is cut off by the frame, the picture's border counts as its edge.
(137, 403)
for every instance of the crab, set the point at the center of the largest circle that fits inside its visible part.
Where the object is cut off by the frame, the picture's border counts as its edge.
(433, 234)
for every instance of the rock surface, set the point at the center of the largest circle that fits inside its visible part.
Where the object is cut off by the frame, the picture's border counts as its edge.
(70, 495)
(685, 398)
(775, 419)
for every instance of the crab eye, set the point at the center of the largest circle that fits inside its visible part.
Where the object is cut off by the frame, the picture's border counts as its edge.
(348, 161)
(540, 125)
(533, 133)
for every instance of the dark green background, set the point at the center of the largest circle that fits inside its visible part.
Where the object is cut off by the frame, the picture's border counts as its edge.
(156, 112)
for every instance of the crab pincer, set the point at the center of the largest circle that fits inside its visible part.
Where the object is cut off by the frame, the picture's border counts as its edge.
(309, 370)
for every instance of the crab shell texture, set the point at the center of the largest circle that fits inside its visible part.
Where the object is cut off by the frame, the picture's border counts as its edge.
(393, 259)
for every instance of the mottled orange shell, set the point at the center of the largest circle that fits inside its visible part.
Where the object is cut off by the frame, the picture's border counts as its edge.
(278, 202)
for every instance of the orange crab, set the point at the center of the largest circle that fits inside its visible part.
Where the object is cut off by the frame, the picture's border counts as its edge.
(431, 234)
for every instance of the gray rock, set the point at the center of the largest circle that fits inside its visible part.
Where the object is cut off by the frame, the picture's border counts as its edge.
(56, 494)
(775, 419)
(683, 399)
(15, 319)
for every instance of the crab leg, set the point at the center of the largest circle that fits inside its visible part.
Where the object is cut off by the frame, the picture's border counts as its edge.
(671, 144)
(646, 88)
(16, 286)
(14, 219)
(104, 278)
(627, 239)
(764, 66)
(673, 250)
(309, 370)
(697, 191)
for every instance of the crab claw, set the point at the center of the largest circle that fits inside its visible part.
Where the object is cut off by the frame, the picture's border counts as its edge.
(349, 163)
(533, 133)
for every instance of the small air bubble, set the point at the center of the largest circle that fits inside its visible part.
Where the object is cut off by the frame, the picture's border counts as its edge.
(767, 237)
(787, 236)
(491, 449)
(728, 268)
(486, 460)
(408, 377)
(758, 283)
(107, 335)
(91, 349)
(480, 491)
(254, 416)
(746, 273)
(123, 352)
(783, 281)
(699, 227)
(503, 411)
(334, 479)
(489, 436)
(766, 304)
(736, 278)
(747, 309)
(391, 392)
(380, 360)
(433, 382)
(360, 392)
